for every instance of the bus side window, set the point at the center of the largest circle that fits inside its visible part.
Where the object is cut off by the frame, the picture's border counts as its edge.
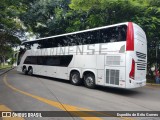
(79, 39)
(113, 34)
(65, 60)
(40, 60)
(53, 61)
(34, 60)
(90, 37)
(31, 60)
(122, 31)
(60, 41)
(71, 40)
(104, 35)
(94, 36)
(68, 40)
(27, 60)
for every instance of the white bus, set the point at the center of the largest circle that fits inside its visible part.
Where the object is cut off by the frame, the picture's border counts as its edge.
(114, 55)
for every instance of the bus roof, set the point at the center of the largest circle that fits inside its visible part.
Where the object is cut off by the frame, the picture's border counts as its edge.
(97, 28)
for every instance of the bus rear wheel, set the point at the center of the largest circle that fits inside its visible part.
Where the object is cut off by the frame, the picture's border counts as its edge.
(75, 78)
(89, 80)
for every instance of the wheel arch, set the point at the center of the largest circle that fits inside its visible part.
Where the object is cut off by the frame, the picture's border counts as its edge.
(24, 66)
(75, 70)
(88, 72)
(30, 67)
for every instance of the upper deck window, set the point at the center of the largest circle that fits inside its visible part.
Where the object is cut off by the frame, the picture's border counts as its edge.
(105, 35)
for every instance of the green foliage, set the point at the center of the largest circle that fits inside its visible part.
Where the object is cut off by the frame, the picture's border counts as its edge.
(12, 61)
(9, 27)
(46, 17)
(5, 53)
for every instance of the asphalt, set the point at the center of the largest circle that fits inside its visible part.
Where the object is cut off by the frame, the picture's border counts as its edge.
(35, 93)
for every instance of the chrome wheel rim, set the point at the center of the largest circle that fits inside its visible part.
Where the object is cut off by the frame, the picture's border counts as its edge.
(24, 70)
(30, 71)
(89, 81)
(75, 78)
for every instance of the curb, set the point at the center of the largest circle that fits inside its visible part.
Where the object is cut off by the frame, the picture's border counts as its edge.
(6, 70)
(153, 84)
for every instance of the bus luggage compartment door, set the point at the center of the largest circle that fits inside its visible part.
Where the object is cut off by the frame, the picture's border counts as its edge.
(115, 70)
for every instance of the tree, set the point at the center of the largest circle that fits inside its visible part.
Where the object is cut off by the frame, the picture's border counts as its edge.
(10, 27)
(6, 52)
(46, 17)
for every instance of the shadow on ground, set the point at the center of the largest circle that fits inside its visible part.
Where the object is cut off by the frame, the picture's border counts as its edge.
(119, 91)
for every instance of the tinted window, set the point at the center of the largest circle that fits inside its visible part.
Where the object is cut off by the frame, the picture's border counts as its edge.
(59, 60)
(30, 60)
(53, 61)
(41, 60)
(65, 60)
(91, 37)
(59, 41)
(27, 60)
(82, 38)
(71, 40)
(113, 34)
(34, 60)
(49, 60)
(48, 43)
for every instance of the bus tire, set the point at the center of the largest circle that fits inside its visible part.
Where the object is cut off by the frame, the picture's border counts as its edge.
(30, 71)
(24, 70)
(89, 80)
(75, 78)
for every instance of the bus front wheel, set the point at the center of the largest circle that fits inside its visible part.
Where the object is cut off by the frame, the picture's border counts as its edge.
(25, 70)
(89, 80)
(75, 78)
(30, 71)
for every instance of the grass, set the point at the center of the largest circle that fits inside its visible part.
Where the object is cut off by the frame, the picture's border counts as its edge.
(5, 66)
(150, 81)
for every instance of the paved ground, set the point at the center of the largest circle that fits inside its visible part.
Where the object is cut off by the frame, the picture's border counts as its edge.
(19, 92)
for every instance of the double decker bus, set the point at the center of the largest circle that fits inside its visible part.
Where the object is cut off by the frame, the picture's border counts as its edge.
(114, 55)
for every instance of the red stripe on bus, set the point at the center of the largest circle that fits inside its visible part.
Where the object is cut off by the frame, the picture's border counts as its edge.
(130, 37)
